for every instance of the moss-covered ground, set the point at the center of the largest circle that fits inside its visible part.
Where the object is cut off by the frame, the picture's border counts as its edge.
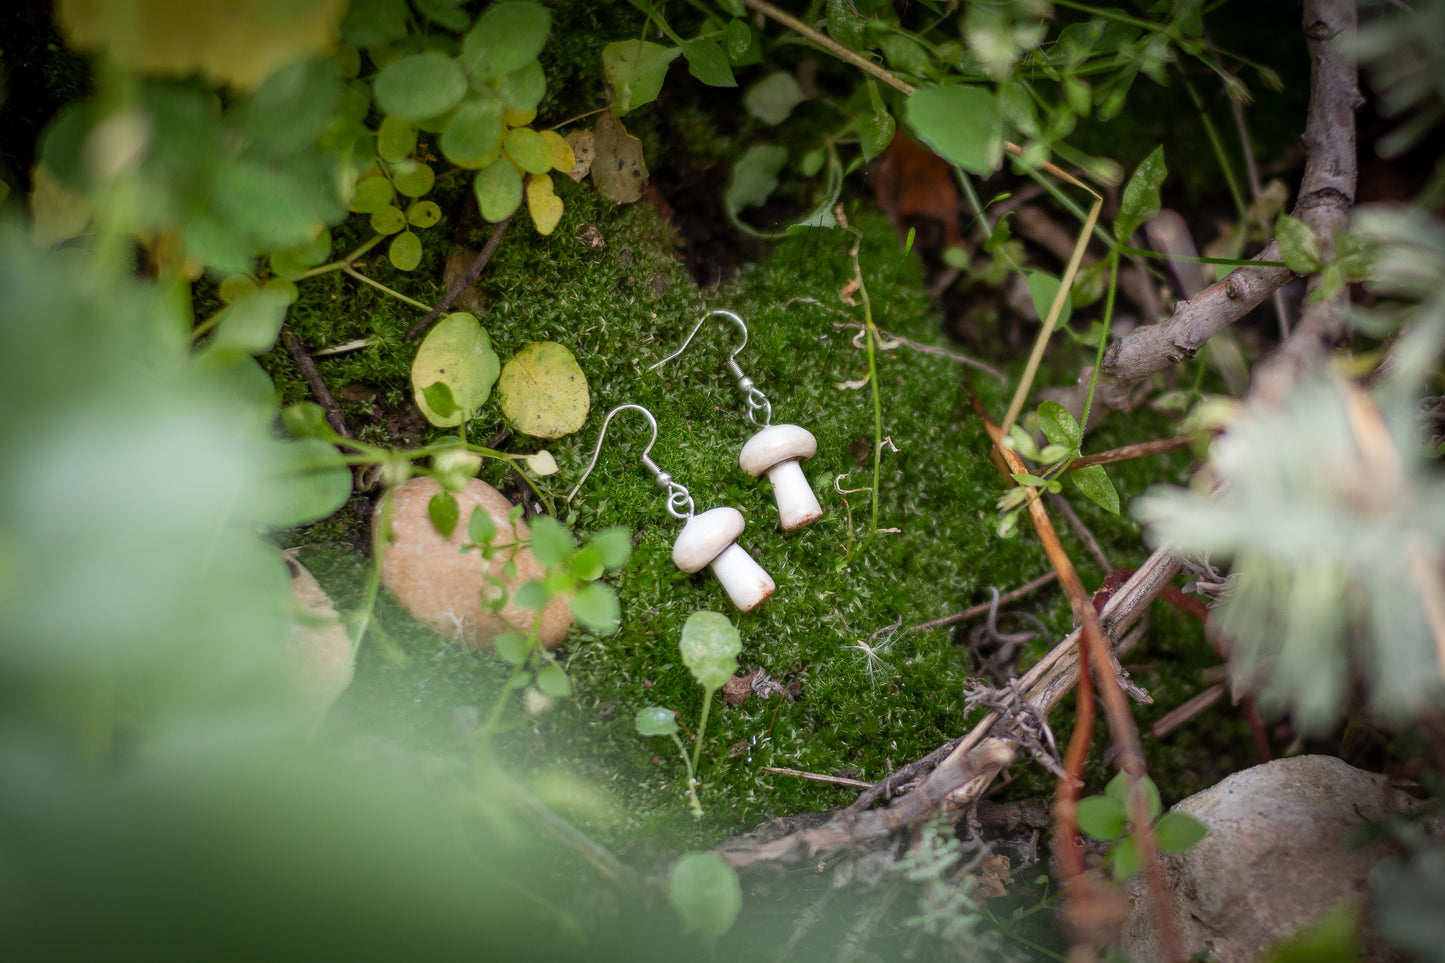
(620, 309)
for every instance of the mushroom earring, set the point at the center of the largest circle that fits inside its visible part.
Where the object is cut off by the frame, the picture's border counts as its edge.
(709, 539)
(777, 450)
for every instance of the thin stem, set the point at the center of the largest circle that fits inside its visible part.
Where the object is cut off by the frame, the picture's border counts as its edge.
(1103, 341)
(701, 728)
(693, 802)
(871, 342)
(340, 262)
(347, 268)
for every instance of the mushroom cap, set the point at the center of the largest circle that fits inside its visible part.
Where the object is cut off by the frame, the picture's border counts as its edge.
(776, 444)
(705, 536)
(442, 586)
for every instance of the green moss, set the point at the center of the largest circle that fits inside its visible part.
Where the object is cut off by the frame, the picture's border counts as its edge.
(620, 309)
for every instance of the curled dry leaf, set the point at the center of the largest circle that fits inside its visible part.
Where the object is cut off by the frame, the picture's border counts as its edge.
(618, 169)
(581, 142)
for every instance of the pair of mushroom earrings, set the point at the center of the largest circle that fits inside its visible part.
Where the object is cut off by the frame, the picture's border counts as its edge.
(711, 539)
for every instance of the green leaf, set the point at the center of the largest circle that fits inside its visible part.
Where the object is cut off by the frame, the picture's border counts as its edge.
(251, 322)
(498, 187)
(963, 125)
(635, 70)
(457, 352)
(306, 419)
(507, 36)
(655, 721)
(1118, 790)
(1298, 246)
(529, 150)
(423, 214)
(1125, 858)
(1097, 486)
(586, 565)
(595, 606)
(420, 85)
(773, 98)
(1023, 442)
(706, 893)
(552, 679)
(513, 648)
(1177, 832)
(413, 178)
(543, 391)
(1334, 936)
(1043, 288)
(291, 261)
(532, 595)
(845, 25)
(395, 139)
(1029, 479)
(444, 13)
(443, 512)
(707, 62)
(739, 38)
(405, 251)
(876, 133)
(473, 133)
(480, 527)
(1141, 195)
(710, 645)
(372, 194)
(439, 399)
(551, 542)
(522, 90)
(614, 545)
(371, 23)
(755, 176)
(388, 220)
(1101, 818)
(1059, 426)
(314, 482)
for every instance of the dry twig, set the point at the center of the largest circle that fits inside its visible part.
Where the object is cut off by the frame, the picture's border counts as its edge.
(316, 383)
(466, 280)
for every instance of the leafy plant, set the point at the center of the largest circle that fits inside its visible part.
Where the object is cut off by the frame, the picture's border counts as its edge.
(1105, 818)
(706, 893)
(710, 645)
(1064, 438)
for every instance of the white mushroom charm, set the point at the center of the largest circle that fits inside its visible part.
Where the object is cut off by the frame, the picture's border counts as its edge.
(778, 450)
(711, 539)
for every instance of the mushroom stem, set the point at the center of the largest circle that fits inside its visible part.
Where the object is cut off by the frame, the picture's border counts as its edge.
(743, 578)
(797, 505)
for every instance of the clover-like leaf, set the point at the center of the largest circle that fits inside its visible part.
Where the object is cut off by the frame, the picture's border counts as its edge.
(405, 251)
(1176, 832)
(543, 391)
(543, 204)
(614, 546)
(473, 135)
(1100, 817)
(710, 645)
(552, 679)
(457, 352)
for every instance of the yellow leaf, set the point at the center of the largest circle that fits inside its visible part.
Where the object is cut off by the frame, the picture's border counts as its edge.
(563, 159)
(57, 213)
(237, 42)
(543, 204)
(519, 118)
(544, 392)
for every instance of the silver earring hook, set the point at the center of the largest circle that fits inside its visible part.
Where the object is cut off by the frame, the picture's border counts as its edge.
(679, 501)
(756, 400)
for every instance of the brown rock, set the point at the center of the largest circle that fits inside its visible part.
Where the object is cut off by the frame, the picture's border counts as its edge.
(319, 644)
(442, 586)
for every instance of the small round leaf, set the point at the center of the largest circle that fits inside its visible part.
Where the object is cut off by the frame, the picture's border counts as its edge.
(395, 139)
(595, 606)
(655, 721)
(552, 679)
(474, 131)
(423, 214)
(614, 545)
(511, 647)
(544, 392)
(413, 178)
(551, 542)
(388, 220)
(498, 187)
(420, 85)
(405, 252)
(529, 150)
(543, 204)
(372, 194)
(314, 482)
(458, 352)
(506, 37)
(710, 646)
(443, 512)
(706, 893)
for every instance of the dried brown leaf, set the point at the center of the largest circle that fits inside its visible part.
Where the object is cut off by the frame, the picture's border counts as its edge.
(618, 169)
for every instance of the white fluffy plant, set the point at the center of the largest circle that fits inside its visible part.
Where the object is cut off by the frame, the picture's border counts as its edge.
(1337, 538)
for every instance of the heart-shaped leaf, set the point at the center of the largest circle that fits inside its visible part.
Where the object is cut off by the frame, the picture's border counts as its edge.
(543, 204)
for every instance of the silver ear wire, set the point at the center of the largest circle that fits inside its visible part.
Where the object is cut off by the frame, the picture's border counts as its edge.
(756, 400)
(679, 501)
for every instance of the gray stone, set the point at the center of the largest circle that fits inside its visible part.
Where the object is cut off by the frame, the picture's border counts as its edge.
(1281, 850)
